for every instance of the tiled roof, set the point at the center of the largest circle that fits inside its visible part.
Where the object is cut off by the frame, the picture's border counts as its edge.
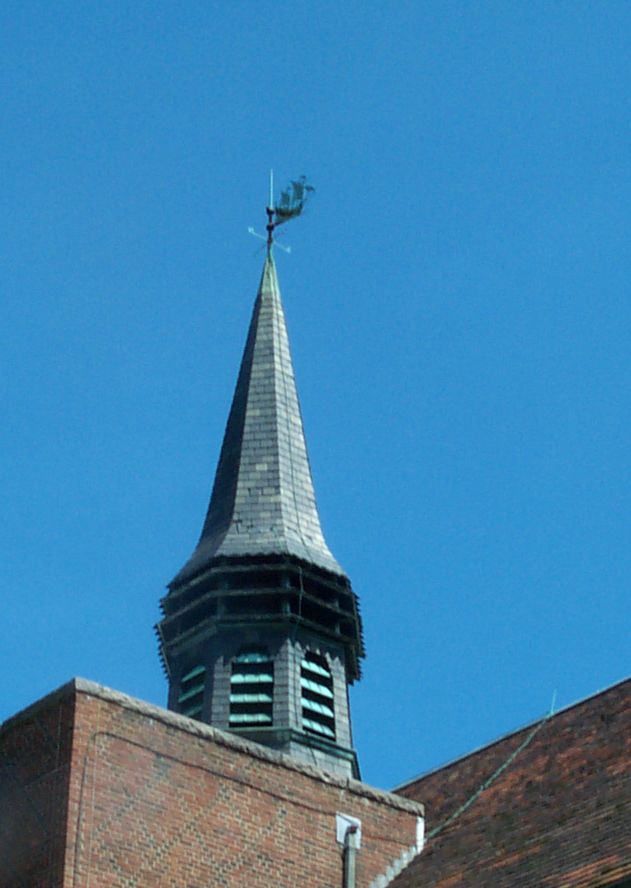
(559, 816)
(263, 502)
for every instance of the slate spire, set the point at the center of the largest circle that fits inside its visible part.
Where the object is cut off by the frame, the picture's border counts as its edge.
(263, 501)
(261, 633)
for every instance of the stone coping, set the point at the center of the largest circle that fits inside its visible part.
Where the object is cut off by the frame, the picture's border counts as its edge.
(224, 738)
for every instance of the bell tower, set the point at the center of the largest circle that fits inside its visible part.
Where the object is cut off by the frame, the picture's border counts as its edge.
(261, 633)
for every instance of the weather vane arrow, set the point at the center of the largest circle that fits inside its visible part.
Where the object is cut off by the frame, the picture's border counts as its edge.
(290, 205)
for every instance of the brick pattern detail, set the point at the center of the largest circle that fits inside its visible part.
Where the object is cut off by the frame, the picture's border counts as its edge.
(157, 799)
(559, 816)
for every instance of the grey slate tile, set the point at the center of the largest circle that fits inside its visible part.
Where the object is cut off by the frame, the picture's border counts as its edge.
(263, 481)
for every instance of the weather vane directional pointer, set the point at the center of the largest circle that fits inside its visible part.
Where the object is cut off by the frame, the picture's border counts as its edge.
(291, 204)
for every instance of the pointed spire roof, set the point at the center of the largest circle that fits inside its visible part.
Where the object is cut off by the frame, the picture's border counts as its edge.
(263, 502)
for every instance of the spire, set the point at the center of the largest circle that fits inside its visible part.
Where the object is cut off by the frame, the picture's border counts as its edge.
(263, 501)
(261, 632)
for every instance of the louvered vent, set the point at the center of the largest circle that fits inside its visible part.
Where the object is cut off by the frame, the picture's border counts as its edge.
(251, 690)
(316, 683)
(191, 698)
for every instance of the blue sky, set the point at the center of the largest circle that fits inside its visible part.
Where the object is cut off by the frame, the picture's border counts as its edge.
(457, 300)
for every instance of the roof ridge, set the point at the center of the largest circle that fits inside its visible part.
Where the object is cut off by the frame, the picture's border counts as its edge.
(530, 724)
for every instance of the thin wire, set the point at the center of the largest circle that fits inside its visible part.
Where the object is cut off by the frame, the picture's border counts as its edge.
(490, 780)
(299, 619)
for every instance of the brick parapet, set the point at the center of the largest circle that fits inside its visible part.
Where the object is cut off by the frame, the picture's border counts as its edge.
(160, 799)
(155, 798)
(223, 738)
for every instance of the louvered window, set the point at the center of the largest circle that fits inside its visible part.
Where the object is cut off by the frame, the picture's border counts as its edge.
(191, 698)
(251, 690)
(316, 683)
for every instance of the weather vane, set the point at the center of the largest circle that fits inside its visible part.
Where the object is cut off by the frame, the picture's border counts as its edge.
(291, 204)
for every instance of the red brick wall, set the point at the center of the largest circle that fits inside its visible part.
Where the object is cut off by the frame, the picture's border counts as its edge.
(34, 774)
(155, 801)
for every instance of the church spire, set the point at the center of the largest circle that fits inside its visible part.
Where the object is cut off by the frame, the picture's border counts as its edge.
(261, 633)
(263, 501)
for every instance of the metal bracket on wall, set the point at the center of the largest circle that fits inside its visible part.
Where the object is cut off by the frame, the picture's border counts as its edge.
(342, 824)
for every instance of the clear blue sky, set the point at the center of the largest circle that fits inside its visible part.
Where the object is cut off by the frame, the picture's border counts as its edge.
(458, 304)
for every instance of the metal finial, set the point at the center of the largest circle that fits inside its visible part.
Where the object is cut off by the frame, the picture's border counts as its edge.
(270, 213)
(291, 204)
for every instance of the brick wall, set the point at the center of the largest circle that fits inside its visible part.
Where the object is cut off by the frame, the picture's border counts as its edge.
(34, 775)
(156, 799)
